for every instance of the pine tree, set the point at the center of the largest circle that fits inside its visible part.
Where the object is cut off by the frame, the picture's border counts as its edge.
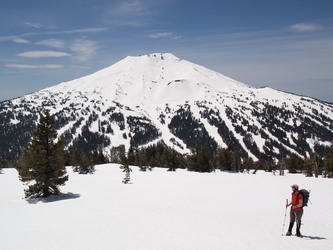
(294, 164)
(98, 157)
(318, 164)
(200, 160)
(308, 167)
(170, 159)
(1, 167)
(86, 165)
(43, 161)
(328, 165)
(81, 162)
(126, 169)
(248, 164)
(224, 159)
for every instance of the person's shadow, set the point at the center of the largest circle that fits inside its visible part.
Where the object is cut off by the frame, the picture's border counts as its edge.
(314, 237)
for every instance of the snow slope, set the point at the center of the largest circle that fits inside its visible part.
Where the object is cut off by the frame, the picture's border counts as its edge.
(164, 210)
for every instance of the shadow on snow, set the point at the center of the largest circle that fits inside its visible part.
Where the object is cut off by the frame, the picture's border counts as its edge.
(53, 198)
(314, 237)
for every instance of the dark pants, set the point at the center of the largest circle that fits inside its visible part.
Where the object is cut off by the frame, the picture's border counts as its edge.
(296, 215)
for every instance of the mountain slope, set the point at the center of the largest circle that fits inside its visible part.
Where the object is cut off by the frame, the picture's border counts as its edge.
(157, 97)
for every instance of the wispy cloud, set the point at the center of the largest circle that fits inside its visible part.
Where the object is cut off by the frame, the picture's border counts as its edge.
(30, 34)
(83, 49)
(39, 54)
(87, 30)
(20, 40)
(38, 26)
(28, 66)
(136, 8)
(164, 35)
(129, 13)
(304, 27)
(54, 43)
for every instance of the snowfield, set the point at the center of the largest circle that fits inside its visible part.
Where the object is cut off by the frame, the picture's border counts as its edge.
(164, 210)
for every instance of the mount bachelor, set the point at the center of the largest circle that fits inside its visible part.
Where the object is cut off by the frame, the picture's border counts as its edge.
(159, 97)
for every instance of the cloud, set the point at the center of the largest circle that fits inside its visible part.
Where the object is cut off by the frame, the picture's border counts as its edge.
(34, 25)
(20, 40)
(304, 27)
(129, 13)
(164, 35)
(55, 43)
(38, 26)
(88, 30)
(132, 8)
(29, 34)
(39, 54)
(27, 66)
(83, 49)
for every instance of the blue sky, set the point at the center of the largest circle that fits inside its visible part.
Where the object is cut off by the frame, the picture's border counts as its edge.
(285, 44)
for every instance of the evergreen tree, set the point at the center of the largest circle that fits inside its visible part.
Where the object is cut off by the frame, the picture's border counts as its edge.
(294, 164)
(98, 157)
(43, 160)
(126, 169)
(115, 153)
(328, 165)
(200, 160)
(81, 162)
(318, 164)
(170, 159)
(141, 161)
(152, 156)
(1, 167)
(86, 165)
(248, 164)
(227, 160)
(131, 155)
(74, 157)
(269, 165)
(281, 166)
(308, 167)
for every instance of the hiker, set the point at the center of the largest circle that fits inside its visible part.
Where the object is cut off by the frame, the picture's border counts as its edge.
(296, 210)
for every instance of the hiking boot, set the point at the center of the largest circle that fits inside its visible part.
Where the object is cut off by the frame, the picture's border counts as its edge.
(291, 224)
(298, 230)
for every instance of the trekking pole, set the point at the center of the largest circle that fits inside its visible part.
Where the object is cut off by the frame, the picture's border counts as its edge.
(285, 215)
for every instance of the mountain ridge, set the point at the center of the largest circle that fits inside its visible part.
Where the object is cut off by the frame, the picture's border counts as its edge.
(150, 98)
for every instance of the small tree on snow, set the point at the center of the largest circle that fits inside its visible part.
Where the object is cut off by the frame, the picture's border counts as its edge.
(126, 169)
(43, 161)
(81, 162)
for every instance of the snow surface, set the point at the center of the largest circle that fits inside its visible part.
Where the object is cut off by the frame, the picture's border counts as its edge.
(164, 210)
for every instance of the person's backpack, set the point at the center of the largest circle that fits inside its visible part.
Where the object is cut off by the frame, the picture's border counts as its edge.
(306, 195)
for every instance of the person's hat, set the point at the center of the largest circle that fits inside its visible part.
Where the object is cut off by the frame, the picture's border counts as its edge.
(295, 186)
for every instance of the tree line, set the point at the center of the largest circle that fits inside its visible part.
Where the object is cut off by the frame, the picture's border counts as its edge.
(202, 159)
(44, 160)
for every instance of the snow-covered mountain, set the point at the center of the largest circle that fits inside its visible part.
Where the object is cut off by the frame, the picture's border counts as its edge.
(146, 99)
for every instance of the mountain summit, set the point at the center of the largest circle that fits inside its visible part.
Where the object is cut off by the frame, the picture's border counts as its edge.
(151, 79)
(159, 97)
